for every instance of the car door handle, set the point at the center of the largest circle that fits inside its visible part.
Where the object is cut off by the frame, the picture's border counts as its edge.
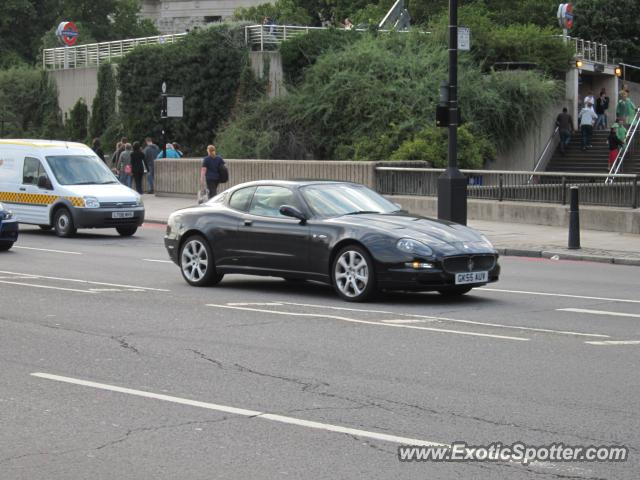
(22, 189)
(248, 223)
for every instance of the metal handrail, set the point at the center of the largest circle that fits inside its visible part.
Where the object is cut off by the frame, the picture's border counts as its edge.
(617, 164)
(507, 172)
(93, 54)
(588, 50)
(544, 151)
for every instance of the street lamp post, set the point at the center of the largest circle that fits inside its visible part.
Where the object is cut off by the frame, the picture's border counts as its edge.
(452, 184)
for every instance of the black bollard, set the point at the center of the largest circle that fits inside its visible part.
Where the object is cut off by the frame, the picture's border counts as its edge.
(574, 219)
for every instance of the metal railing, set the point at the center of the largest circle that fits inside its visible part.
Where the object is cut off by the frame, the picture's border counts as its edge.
(628, 142)
(500, 185)
(267, 37)
(592, 51)
(543, 159)
(93, 54)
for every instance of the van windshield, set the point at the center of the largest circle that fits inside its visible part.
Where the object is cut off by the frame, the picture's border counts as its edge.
(80, 170)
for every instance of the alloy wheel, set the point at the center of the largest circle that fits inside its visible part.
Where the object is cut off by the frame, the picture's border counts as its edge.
(351, 274)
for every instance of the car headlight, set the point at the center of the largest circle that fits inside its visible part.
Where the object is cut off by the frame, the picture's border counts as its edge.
(91, 202)
(7, 215)
(139, 202)
(486, 241)
(414, 247)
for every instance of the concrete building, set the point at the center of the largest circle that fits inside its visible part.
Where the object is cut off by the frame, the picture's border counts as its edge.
(177, 16)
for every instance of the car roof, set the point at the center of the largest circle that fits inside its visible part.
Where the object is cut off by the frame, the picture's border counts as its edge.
(26, 142)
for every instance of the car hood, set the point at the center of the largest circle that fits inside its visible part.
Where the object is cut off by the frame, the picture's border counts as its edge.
(442, 235)
(105, 193)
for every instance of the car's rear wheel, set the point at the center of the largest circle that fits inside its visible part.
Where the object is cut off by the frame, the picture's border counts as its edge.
(196, 262)
(127, 231)
(4, 246)
(353, 274)
(63, 223)
(454, 291)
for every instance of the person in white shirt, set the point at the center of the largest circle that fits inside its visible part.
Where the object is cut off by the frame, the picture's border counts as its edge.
(589, 99)
(587, 118)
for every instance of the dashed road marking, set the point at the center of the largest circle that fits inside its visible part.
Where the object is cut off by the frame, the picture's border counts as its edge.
(598, 312)
(156, 261)
(87, 282)
(564, 295)
(616, 342)
(47, 250)
(33, 285)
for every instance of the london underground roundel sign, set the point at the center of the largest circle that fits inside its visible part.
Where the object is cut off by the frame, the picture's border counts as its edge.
(565, 15)
(67, 33)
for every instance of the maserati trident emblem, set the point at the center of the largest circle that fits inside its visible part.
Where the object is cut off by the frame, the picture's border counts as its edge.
(470, 265)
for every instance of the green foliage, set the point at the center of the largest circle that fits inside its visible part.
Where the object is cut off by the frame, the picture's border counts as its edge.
(206, 68)
(615, 23)
(29, 104)
(375, 99)
(300, 52)
(76, 126)
(284, 12)
(103, 108)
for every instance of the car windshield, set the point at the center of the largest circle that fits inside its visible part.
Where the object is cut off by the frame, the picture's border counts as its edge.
(335, 199)
(80, 170)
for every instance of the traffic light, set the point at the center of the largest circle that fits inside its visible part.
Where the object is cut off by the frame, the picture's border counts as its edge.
(619, 71)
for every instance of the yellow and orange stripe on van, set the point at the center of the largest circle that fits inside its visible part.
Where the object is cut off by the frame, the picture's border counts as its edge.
(40, 199)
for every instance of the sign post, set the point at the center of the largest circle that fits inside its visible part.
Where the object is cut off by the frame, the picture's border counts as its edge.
(172, 107)
(452, 184)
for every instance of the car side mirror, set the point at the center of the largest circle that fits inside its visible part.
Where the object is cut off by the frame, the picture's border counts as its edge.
(44, 182)
(289, 211)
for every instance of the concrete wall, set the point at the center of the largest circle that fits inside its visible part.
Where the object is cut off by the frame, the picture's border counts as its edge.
(623, 220)
(182, 176)
(74, 84)
(271, 62)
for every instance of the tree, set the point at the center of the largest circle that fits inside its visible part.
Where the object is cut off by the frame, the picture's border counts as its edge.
(103, 108)
(616, 24)
(76, 126)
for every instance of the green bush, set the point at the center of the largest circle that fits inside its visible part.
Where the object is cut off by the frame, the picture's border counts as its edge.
(76, 126)
(206, 68)
(29, 104)
(103, 108)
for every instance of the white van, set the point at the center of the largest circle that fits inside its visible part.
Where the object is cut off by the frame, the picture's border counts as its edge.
(66, 186)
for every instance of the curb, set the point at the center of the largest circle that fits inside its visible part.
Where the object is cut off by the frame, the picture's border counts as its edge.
(559, 255)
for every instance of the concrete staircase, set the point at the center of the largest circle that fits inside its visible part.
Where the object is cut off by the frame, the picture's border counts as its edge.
(591, 160)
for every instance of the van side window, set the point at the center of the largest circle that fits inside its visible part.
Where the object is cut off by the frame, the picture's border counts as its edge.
(31, 171)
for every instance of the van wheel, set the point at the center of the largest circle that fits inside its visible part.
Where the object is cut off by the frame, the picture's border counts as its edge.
(126, 231)
(63, 223)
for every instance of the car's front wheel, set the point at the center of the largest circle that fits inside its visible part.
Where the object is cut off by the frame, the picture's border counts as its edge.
(63, 223)
(196, 262)
(4, 246)
(353, 274)
(127, 231)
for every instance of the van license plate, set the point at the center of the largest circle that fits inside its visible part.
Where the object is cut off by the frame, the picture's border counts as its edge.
(472, 277)
(122, 215)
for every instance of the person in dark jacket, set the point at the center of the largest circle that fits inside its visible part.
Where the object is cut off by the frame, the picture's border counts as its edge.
(151, 152)
(210, 171)
(97, 149)
(138, 166)
(614, 146)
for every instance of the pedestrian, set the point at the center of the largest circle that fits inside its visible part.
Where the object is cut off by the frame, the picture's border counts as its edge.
(589, 99)
(564, 122)
(587, 119)
(210, 173)
(348, 25)
(625, 108)
(151, 152)
(171, 153)
(138, 166)
(614, 146)
(602, 104)
(124, 166)
(97, 149)
(177, 148)
(116, 155)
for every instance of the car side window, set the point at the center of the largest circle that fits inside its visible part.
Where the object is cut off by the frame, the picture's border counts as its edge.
(31, 171)
(241, 198)
(268, 199)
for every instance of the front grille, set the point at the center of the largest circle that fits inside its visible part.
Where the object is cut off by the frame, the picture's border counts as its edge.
(461, 264)
(117, 204)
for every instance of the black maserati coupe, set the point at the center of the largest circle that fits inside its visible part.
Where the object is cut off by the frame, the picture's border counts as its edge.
(339, 233)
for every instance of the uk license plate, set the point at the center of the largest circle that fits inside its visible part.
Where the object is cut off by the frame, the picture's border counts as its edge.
(121, 214)
(472, 277)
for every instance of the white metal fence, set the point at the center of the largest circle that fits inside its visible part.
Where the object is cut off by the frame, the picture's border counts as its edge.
(592, 51)
(93, 54)
(265, 37)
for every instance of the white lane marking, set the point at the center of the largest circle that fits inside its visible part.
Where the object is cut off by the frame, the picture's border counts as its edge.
(379, 324)
(598, 312)
(455, 320)
(35, 276)
(33, 285)
(564, 295)
(243, 412)
(156, 261)
(616, 342)
(47, 250)
(406, 320)
(255, 304)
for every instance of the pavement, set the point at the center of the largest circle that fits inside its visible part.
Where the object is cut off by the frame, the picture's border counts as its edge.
(511, 239)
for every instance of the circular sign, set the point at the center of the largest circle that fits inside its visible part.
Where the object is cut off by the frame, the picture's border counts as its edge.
(67, 33)
(565, 15)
